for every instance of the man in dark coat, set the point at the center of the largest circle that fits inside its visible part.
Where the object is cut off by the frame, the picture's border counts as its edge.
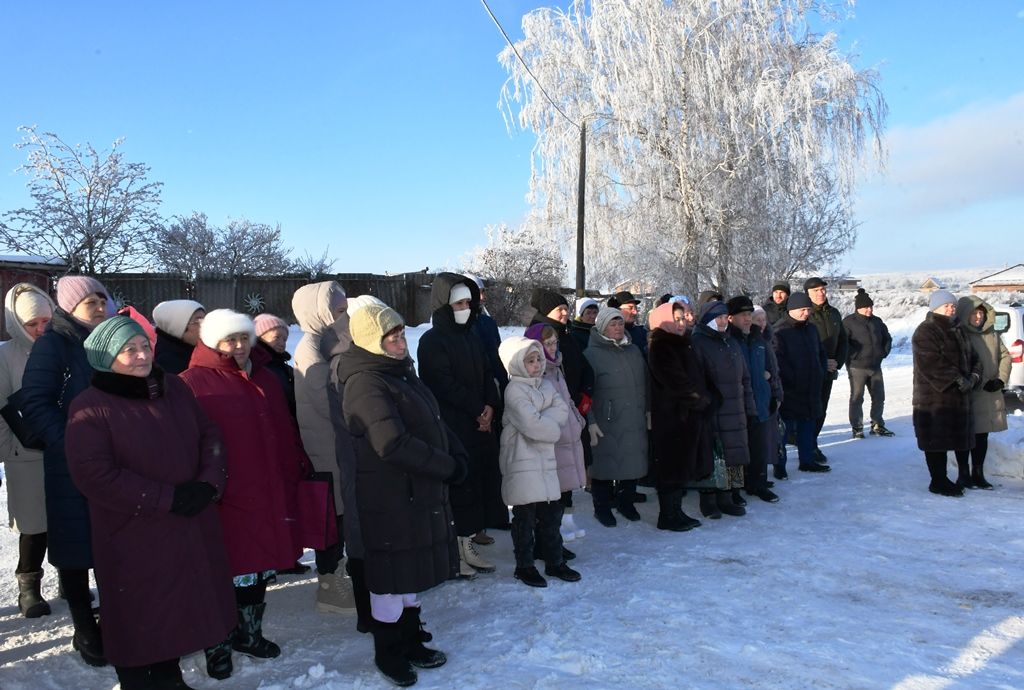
(869, 343)
(802, 368)
(629, 305)
(579, 327)
(946, 369)
(453, 365)
(775, 307)
(829, 323)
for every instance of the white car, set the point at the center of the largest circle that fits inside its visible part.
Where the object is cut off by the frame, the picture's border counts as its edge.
(1010, 327)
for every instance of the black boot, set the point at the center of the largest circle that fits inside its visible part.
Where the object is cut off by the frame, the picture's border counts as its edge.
(725, 504)
(134, 677)
(30, 599)
(218, 660)
(166, 675)
(624, 496)
(940, 483)
(963, 474)
(389, 654)
(709, 505)
(738, 499)
(87, 640)
(978, 476)
(528, 575)
(602, 495)
(670, 512)
(248, 638)
(418, 655)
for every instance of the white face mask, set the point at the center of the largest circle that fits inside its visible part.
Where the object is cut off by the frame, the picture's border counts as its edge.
(462, 317)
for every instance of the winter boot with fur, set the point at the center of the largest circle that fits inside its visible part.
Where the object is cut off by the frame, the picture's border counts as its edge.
(87, 640)
(978, 476)
(218, 660)
(602, 494)
(709, 505)
(726, 504)
(389, 653)
(248, 638)
(334, 593)
(30, 599)
(418, 655)
(469, 555)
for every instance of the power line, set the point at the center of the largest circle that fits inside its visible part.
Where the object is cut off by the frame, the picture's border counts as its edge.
(527, 67)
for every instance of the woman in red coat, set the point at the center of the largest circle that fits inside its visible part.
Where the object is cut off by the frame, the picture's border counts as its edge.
(157, 542)
(265, 461)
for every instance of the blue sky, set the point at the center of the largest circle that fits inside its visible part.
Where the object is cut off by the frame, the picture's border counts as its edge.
(373, 127)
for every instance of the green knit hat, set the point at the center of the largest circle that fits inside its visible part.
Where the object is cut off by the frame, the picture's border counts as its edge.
(106, 340)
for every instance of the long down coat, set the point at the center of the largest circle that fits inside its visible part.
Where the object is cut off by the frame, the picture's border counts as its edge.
(572, 472)
(164, 578)
(619, 409)
(726, 369)
(405, 455)
(942, 414)
(988, 408)
(264, 456)
(802, 368)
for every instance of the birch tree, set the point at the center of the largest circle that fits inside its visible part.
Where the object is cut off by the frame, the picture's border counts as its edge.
(700, 115)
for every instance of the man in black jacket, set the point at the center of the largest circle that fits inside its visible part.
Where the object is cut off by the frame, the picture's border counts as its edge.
(629, 305)
(776, 307)
(869, 343)
(829, 323)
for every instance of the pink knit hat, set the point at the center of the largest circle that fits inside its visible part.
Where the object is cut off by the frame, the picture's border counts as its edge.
(73, 289)
(268, 322)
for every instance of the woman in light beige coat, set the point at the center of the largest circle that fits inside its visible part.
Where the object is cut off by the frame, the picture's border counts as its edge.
(28, 310)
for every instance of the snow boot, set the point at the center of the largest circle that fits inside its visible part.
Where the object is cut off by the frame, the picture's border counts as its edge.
(472, 558)
(978, 476)
(166, 675)
(571, 524)
(334, 593)
(940, 483)
(389, 653)
(709, 505)
(87, 640)
(602, 493)
(418, 655)
(530, 576)
(135, 677)
(738, 499)
(567, 529)
(218, 660)
(670, 512)
(726, 504)
(248, 638)
(563, 572)
(30, 599)
(963, 474)
(624, 497)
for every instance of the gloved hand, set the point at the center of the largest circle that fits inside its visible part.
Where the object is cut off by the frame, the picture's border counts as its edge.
(964, 384)
(191, 497)
(993, 385)
(773, 405)
(585, 404)
(595, 434)
(458, 474)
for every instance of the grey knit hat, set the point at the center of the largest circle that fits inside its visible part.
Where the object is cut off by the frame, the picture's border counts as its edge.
(939, 298)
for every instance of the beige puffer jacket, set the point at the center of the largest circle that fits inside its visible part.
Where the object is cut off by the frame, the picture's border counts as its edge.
(988, 409)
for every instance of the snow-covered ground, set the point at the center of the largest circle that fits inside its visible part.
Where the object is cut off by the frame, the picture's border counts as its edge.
(857, 579)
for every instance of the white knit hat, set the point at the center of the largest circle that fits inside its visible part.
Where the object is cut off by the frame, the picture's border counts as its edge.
(459, 292)
(584, 304)
(357, 303)
(172, 316)
(220, 323)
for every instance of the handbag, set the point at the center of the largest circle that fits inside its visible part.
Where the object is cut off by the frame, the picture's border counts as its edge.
(316, 521)
(719, 477)
(11, 412)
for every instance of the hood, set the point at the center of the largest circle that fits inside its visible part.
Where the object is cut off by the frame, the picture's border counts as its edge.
(513, 353)
(441, 312)
(312, 304)
(663, 318)
(14, 325)
(355, 360)
(966, 305)
(337, 339)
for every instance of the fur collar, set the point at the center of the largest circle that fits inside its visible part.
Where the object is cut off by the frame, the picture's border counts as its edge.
(121, 385)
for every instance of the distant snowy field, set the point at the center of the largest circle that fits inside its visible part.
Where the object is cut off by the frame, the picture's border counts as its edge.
(856, 579)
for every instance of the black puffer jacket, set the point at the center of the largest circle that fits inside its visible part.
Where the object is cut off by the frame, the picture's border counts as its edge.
(775, 311)
(404, 456)
(942, 413)
(829, 323)
(802, 367)
(284, 372)
(869, 341)
(726, 369)
(171, 354)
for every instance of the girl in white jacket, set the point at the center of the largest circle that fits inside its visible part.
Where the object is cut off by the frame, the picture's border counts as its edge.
(532, 424)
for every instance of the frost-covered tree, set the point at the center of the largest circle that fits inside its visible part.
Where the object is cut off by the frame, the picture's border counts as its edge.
(701, 116)
(194, 248)
(92, 209)
(515, 262)
(187, 245)
(314, 266)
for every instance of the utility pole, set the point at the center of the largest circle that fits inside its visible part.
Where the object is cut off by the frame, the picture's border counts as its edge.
(581, 270)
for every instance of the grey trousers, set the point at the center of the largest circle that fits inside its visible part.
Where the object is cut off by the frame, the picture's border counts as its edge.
(870, 379)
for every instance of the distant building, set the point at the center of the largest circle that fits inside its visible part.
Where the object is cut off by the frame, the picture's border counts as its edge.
(1007, 280)
(931, 285)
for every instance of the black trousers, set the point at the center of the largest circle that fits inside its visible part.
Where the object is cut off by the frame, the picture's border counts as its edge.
(759, 442)
(870, 380)
(976, 454)
(826, 393)
(544, 519)
(327, 560)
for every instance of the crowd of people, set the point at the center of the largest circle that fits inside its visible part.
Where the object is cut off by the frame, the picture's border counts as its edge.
(167, 456)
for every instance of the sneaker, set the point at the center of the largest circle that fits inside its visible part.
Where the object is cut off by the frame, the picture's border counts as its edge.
(530, 576)
(563, 572)
(472, 557)
(878, 429)
(859, 433)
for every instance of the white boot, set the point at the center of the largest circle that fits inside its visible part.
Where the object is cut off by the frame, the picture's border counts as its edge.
(334, 592)
(579, 532)
(567, 529)
(465, 571)
(468, 553)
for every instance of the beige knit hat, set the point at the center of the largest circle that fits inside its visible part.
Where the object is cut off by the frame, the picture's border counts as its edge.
(370, 324)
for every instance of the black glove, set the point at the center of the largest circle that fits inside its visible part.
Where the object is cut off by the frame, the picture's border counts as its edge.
(773, 406)
(458, 475)
(993, 385)
(191, 497)
(964, 384)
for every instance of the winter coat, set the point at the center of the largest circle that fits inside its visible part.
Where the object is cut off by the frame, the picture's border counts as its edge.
(486, 328)
(755, 353)
(579, 376)
(802, 368)
(726, 371)
(532, 424)
(572, 473)
(619, 409)
(988, 408)
(282, 370)
(772, 364)
(638, 334)
(57, 371)
(164, 578)
(680, 410)
(775, 311)
(264, 456)
(868, 340)
(334, 343)
(405, 455)
(829, 323)
(171, 354)
(26, 504)
(453, 365)
(311, 305)
(942, 356)
(580, 332)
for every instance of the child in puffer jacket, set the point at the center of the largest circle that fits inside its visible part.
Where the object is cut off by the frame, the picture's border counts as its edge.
(532, 424)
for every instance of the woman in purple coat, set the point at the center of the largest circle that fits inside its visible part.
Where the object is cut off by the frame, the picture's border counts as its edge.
(160, 560)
